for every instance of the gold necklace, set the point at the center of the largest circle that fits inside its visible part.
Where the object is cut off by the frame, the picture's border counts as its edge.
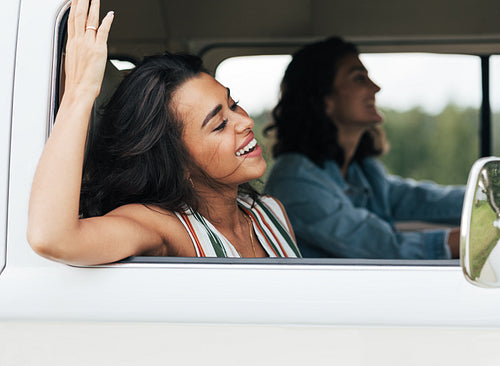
(250, 229)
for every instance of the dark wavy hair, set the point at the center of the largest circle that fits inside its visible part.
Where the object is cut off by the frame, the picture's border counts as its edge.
(135, 154)
(299, 118)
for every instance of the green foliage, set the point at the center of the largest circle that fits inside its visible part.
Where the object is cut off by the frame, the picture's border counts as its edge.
(484, 236)
(260, 123)
(441, 147)
(496, 134)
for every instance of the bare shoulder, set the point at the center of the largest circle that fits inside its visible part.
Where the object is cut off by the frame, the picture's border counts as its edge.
(275, 200)
(278, 205)
(162, 223)
(274, 204)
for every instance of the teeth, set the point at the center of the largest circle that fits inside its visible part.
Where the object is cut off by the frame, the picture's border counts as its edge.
(247, 148)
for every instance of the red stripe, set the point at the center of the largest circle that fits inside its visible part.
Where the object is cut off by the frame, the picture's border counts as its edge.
(197, 242)
(285, 224)
(250, 213)
(274, 212)
(270, 229)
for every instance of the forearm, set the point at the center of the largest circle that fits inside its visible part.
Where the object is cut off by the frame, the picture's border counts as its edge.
(54, 202)
(333, 227)
(369, 240)
(425, 201)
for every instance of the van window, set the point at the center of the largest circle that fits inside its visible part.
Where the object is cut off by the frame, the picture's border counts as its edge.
(438, 111)
(495, 102)
(432, 99)
(122, 65)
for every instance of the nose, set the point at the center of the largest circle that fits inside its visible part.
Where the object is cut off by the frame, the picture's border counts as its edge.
(244, 122)
(375, 86)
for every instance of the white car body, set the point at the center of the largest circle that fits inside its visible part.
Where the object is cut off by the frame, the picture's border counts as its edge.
(210, 313)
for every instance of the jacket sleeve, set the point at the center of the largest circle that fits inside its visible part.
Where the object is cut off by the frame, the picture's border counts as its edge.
(327, 224)
(425, 201)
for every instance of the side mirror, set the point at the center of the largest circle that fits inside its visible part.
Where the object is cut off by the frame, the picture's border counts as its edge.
(480, 226)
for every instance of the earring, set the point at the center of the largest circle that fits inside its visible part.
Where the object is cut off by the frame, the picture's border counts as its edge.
(192, 184)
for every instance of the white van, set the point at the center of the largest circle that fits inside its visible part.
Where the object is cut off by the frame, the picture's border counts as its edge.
(183, 311)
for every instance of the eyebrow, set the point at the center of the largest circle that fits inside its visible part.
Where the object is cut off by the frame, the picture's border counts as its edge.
(358, 68)
(214, 111)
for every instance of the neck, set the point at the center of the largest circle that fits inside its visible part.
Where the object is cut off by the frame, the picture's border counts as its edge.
(220, 207)
(348, 139)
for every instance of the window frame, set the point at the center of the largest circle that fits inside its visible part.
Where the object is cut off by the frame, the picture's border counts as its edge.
(139, 261)
(9, 29)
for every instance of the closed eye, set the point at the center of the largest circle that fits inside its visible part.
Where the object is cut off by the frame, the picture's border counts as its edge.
(360, 77)
(221, 126)
(234, 105)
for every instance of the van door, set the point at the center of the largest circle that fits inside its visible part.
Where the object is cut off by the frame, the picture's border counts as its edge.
(8, 36)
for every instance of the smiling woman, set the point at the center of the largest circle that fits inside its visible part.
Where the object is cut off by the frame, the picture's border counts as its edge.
(226, 132)
(169, 164)
(145, 309)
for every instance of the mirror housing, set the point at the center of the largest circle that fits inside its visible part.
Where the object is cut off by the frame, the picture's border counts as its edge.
(480, 225)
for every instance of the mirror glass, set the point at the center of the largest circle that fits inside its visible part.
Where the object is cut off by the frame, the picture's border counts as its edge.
(480, 227)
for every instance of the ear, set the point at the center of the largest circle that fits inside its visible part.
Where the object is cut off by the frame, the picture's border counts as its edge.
(329, 105)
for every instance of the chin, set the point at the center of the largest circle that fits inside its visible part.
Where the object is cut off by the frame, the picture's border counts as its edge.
(376, 119)
(379, 116)
(259, 170)
(250, 173)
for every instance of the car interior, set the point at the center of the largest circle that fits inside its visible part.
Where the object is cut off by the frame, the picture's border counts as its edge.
(384, 30)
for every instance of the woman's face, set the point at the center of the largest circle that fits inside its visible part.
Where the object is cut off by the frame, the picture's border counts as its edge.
(217, 132)
(352, 102)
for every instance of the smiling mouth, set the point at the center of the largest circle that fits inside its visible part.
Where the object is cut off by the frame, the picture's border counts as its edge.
(248, 148)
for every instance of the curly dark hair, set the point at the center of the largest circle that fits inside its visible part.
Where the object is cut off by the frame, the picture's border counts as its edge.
(300, 119)
(135, 154)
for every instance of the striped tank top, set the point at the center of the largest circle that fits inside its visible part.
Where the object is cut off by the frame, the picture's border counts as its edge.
(269, 224)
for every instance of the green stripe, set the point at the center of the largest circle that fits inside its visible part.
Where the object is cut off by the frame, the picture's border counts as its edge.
(263, 229)
(214, 239)
(280, 228)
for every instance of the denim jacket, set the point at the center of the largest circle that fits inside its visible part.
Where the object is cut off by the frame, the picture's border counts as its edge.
(354, 217)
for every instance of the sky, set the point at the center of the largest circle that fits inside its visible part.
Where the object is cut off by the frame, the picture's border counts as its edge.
(429, 81)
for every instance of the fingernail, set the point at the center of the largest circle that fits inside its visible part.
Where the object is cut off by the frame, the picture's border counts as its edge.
(111, 12)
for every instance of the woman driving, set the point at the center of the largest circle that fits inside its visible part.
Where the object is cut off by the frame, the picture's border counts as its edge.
(340, 200)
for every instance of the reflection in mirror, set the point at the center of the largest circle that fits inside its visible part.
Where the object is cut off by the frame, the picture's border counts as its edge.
(481, 224)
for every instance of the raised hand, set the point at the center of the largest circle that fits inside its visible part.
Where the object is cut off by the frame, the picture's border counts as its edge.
(86, 48)
(57, 181)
